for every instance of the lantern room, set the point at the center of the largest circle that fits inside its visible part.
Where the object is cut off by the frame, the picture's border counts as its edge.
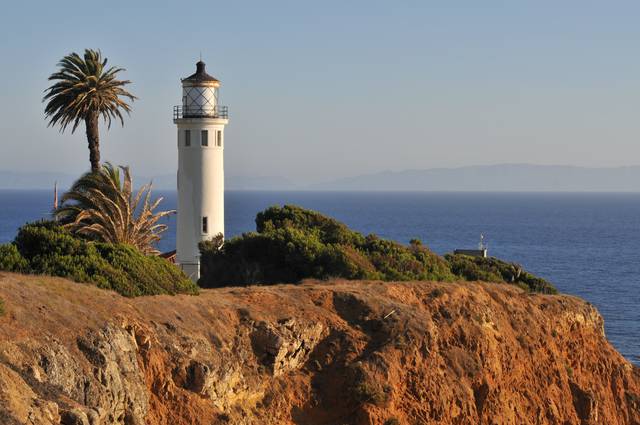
(200, 96)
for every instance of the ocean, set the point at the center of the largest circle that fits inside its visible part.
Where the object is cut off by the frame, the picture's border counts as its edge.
(587, 244)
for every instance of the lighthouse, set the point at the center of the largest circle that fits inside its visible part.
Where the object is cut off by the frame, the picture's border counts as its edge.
(201, 121)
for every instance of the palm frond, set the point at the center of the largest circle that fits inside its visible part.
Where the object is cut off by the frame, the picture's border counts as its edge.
(102, 206)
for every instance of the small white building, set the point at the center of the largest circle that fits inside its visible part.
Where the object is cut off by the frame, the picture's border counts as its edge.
(201, 122)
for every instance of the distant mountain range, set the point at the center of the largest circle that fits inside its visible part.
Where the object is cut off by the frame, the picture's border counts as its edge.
(45, 180)
(503, 177)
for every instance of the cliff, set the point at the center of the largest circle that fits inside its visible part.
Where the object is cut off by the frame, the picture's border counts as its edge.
(316, 353)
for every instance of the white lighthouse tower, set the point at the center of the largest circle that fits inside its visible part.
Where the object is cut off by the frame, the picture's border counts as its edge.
(201, 121)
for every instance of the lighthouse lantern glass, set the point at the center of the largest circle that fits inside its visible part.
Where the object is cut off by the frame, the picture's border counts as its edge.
(199, 100)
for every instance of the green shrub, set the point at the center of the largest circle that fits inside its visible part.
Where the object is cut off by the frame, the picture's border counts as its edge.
(328, 230)
(399, 262)
(436, 293)
(2, 307)
(292, 243)
(494, 270)
(569, 370)
(281, 255)
(145, 274)
(49, 249)
(11, 260)
(366, 392)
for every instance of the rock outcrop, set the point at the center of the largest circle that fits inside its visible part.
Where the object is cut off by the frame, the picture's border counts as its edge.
(316, 353)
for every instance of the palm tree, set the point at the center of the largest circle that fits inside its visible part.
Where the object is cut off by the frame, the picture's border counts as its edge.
(86, 89)
(102, 206)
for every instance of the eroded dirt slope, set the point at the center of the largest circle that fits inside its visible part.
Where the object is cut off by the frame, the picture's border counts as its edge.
(317, 353)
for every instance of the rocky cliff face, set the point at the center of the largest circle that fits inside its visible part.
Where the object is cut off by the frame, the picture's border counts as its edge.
(317, 353)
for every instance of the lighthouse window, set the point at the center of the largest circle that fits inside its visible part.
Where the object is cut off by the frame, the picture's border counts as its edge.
(187, 137)
(205, 225)
(219, 138)
(204, 137)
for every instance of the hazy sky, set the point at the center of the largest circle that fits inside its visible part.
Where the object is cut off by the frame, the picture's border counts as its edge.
(327, 89)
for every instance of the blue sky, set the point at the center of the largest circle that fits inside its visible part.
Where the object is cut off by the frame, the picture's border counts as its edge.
(318, 90)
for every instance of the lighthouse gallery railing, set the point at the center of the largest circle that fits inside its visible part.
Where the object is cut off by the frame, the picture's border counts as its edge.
(218, 111)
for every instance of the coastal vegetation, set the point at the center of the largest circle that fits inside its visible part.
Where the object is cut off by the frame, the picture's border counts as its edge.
(102, 206)
(494, 270)
(11, 260)
(85, 90)
(47, 248)
(103, 234)
(291, 243)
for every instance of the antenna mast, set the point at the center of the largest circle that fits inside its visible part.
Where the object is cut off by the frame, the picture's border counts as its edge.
(55, 195)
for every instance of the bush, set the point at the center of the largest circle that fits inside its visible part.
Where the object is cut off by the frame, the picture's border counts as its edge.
(11, 260)
(399, 262)
(292, 243)
(328, 230)
(436, 293)
(365, 392)
(145, 274)
(281, 255)
(494, 270)
(2, 307)
(49, 249)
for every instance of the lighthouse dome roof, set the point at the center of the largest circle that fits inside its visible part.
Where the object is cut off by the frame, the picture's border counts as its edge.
(200, 77)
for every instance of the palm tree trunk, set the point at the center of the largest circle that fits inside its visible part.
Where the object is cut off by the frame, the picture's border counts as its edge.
(93, 138)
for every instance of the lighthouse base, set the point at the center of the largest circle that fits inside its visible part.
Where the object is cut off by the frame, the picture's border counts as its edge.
(192, 270)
